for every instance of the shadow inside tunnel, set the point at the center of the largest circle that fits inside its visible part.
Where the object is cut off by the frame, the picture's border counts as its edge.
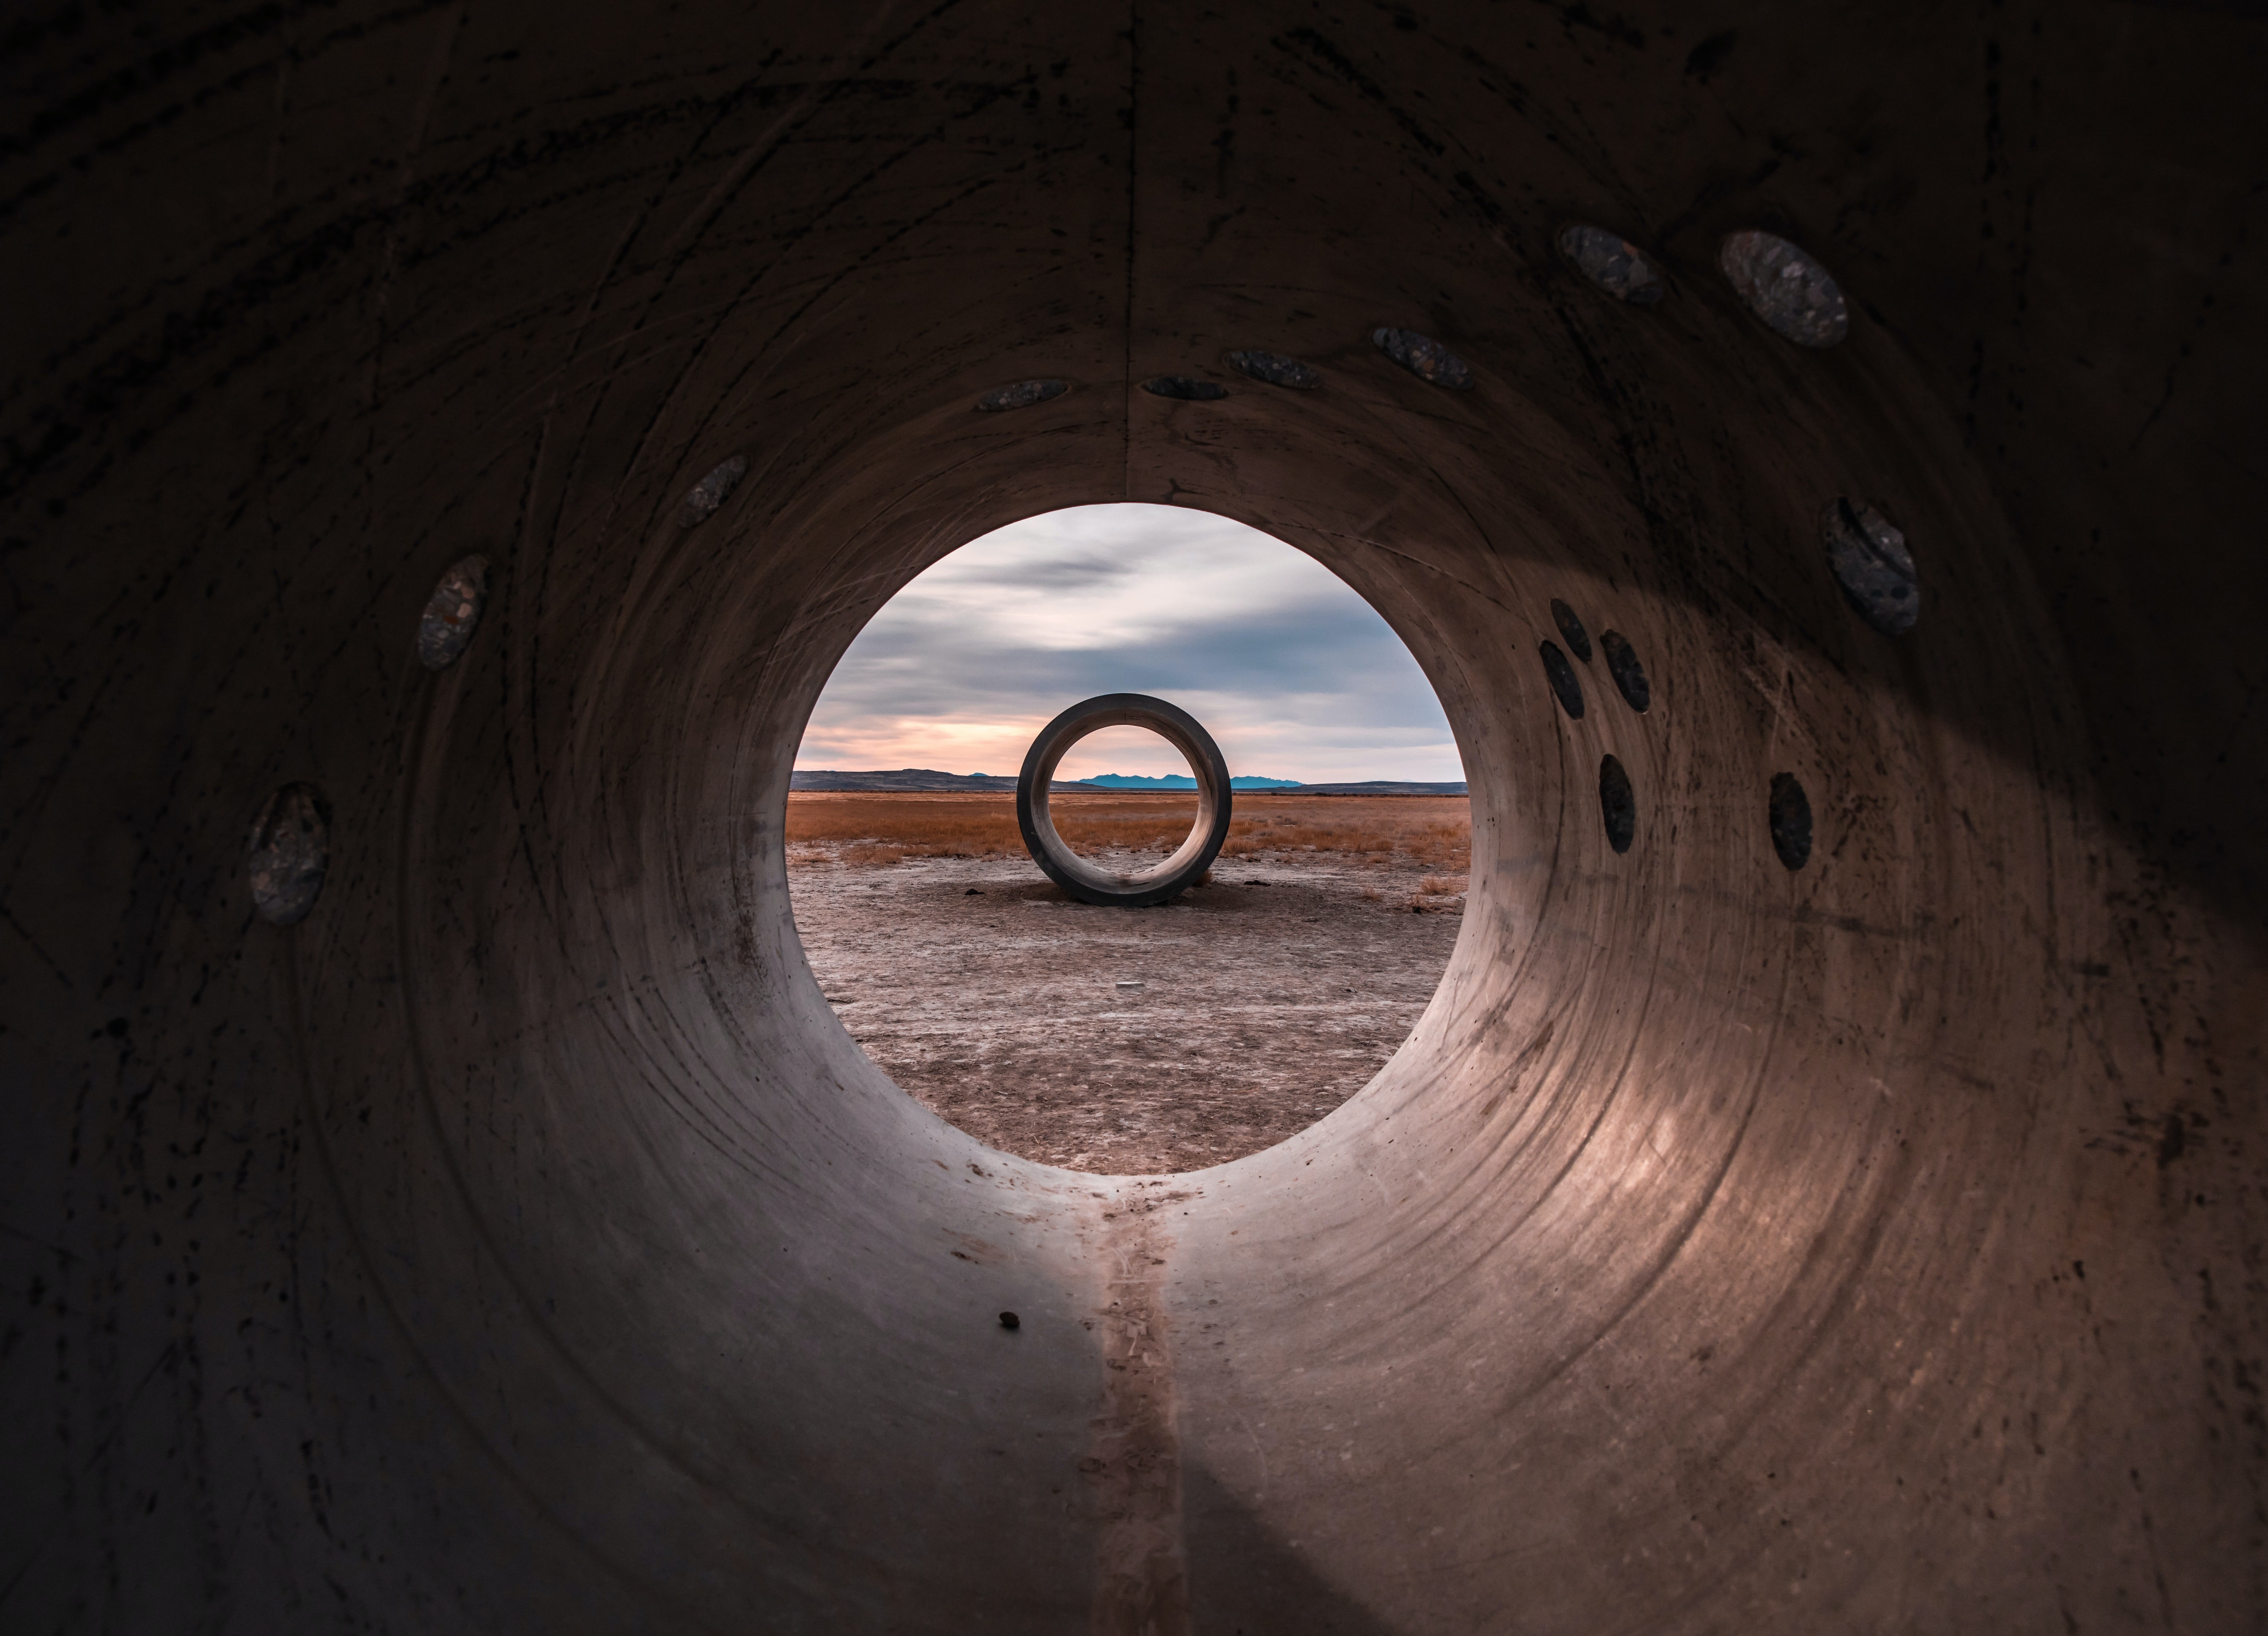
(1245, 1582)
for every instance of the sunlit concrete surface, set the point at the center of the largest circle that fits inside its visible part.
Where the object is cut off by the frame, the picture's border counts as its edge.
(516, 1243)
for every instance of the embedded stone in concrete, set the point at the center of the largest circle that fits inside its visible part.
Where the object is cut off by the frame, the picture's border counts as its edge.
(1612, 262)
(1425, 357)
(1021, 395)
(1571, 628)
(1785, 288)
(1186, 387)
(701, 501)
(1789, 812)
(1629, 674)
(1090, 882)
(1561, 675)
(1277, 371)
(288, 853)
(1617, 805)
(1872, 564)
(446, 629)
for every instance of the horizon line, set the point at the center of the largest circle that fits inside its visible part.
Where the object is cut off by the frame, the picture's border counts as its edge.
(1148, 778)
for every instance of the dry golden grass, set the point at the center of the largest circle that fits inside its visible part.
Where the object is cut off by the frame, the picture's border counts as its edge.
(1433, 831)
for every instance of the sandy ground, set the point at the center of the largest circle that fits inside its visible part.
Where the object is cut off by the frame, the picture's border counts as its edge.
(1124, 1041)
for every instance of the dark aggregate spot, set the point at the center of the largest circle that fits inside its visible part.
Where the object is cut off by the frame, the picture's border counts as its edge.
(701, 501)
(1872, 564)
(1186, 388)
(1009, 1320)
(1629, 675)
(445, 629)
(1707, 57)
(1021, 395)
(973, 892)
(1256, 882)
(1276, 370)
(288, 853)
(1785, 288)
(1617, 805)
(1561, 675)
(1612, 262)
(1791, 821)
(1579, 640)
(2174, 1142)
(1423, 357)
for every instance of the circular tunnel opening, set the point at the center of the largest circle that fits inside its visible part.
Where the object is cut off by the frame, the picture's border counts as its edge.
(443, 1197)
(1214, 1011)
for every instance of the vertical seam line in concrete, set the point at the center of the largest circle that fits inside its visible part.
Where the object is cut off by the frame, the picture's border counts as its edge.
(1141, 1558)
(1133, 175)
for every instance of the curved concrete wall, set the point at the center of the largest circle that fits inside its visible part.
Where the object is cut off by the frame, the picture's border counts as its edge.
(517, 1244)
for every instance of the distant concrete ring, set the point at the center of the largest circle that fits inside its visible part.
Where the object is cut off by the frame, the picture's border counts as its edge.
(1074, 874)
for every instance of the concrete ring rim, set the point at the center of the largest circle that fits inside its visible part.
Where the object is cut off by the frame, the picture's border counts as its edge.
(1188, 865)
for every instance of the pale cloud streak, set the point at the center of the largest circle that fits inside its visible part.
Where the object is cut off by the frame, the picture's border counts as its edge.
(1292, 672)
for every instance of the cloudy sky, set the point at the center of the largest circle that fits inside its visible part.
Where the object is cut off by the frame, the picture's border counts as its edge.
(1291, 671)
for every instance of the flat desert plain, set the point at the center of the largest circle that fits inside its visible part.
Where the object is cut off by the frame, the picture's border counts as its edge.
(1129, 1041)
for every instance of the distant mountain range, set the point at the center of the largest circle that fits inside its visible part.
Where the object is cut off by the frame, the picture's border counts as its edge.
(1182, 781)
(921, 778)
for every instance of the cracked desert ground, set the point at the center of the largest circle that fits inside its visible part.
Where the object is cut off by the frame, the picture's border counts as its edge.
(1129, 1041)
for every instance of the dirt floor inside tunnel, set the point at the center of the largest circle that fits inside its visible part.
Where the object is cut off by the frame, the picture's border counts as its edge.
(1129, 1041)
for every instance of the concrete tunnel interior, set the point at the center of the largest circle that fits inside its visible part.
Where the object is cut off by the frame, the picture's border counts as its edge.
(517, 1241)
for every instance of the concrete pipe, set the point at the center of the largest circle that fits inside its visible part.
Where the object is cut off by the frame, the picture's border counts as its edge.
(1183, 867)
(515, 1241)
